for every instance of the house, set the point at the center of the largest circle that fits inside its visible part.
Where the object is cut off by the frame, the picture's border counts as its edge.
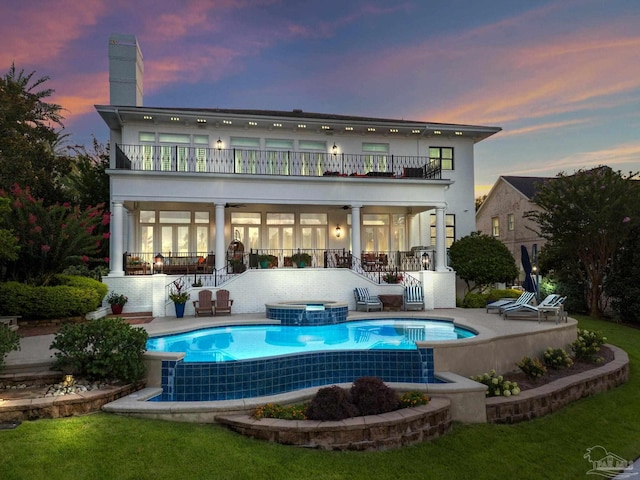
(203, 193)
(501, 215)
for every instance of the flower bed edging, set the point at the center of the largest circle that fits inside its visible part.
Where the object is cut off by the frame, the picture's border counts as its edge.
(64, 405)
(373, 432)
(553, 396)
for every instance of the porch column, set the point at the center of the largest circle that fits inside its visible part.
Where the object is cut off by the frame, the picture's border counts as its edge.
(220, 245)
(355, 229)
(117, 239)
(131, 232)
(441, 249)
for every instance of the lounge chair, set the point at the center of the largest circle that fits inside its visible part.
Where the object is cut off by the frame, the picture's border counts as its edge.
(203, 305)
(366, 302)
(222, 303)
(501, 304)
(550, 303)
(413, 298)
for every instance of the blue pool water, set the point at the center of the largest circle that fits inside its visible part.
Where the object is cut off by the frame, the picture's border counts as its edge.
(228, 363)
(219, 344)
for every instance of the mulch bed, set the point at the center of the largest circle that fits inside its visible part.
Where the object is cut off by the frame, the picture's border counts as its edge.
(552, 374)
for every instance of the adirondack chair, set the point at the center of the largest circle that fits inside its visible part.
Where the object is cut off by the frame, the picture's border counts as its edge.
(222, 303)
(204, 304)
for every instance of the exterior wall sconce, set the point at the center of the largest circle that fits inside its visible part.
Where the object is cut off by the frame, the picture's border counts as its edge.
(219, 144)
(334, 149)
(426, 261)
(338, 231)
(159, 262)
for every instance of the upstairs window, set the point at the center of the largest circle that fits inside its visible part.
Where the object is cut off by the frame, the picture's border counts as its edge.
(443, 156)
(511, 222)
(495, 226)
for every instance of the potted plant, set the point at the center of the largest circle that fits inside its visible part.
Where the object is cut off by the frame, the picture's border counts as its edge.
(237, 264)
(117, 302)
(301, 259)
(179, 297)
(392, 277)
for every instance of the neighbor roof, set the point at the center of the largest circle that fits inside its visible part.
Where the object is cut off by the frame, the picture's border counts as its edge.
(525, 185)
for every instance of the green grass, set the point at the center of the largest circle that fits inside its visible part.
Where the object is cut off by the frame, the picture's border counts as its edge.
(102, 446)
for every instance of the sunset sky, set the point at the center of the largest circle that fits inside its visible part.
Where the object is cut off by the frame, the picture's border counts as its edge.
(562, 77)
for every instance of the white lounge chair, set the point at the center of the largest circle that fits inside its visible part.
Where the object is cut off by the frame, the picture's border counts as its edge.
(366, 302)
(499, 305)
(550, 303)
(413, 298)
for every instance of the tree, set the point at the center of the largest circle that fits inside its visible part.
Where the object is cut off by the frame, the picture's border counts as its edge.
(8, 242)
(483, 260)
(50, 237)
(623, 282)
(88, 183)
(586, 218)
(28, 136)
(479, 201)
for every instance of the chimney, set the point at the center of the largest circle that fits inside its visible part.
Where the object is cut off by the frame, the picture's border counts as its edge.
(125, 71)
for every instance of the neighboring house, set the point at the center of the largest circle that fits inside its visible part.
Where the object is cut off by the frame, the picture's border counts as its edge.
(203, 191)
(501, 215)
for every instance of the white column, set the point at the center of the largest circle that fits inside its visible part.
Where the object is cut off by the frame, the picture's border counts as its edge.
(220, 243)
(355, 229)
(441, 248)
(117, 239)
(131, 232)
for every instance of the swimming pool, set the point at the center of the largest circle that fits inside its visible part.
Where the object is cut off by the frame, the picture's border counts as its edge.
(224, 363)
(219, 344)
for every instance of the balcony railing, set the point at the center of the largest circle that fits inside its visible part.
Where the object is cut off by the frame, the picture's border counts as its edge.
(165, 158)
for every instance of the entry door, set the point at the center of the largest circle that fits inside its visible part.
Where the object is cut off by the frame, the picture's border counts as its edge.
(248, 235)
(280, 238)
(314, 238)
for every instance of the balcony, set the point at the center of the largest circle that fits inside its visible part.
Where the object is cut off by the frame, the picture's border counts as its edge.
(165, 158)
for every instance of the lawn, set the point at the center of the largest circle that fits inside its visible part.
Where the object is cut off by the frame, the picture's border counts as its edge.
(102, 446)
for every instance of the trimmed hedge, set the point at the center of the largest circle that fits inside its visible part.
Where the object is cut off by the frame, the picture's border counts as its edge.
(71, 296)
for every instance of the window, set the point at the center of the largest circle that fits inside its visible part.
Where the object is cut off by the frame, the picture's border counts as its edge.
(443, 156)
(202, 143)
(246, 228)
(312, 161)
(495, 226)
(449, 229)
(280, 230)
(278, 153)
(375, 156)
(375, 232)
(313, 228)
(246, 154)
(511, 222)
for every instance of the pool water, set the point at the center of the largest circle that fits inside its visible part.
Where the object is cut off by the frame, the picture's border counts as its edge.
(221, 344)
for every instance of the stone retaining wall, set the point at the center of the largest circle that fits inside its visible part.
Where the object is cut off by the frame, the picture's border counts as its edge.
(555, 395)
(374, 432)
(64, 405)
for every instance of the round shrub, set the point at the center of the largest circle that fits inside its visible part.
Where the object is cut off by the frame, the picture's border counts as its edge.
(413, 399)
(587, 345)
(104, 349)
(331, 403)
(532, 367)
(371, 396)
(498, 386)
(9, 341)
(556, 358)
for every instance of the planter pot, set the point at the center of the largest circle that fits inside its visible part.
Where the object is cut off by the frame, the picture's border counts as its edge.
(300, 264)
(264, 264)
(116, 309)
(179, 309)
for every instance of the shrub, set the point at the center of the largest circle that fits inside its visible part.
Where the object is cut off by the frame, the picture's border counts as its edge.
(371, 396)
(68, 296)
(9, 341)
(556, 358)
(104, 349)
(532, 367)
(497, 294)
(587, 345)
(474, 300)
(498, 386)
(413, 399)
(331, 403)
(272, 410)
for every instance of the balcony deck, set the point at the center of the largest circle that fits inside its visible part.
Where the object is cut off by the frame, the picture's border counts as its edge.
(166, 158)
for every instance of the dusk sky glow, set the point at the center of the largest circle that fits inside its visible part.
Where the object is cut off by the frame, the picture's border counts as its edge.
(561, 77)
